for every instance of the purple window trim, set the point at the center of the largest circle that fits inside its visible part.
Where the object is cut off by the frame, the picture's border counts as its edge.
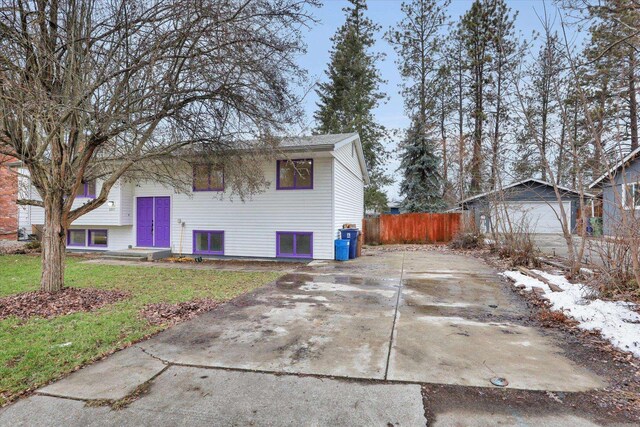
(84, 231)
(209, 233)
(295, 240)
(295, 175)
(209, 188)
(85, 193)
(90, 231)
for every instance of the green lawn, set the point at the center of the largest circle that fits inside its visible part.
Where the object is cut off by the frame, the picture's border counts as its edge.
(30, 355)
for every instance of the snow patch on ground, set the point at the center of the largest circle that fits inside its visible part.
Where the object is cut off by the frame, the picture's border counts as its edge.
(615, 320)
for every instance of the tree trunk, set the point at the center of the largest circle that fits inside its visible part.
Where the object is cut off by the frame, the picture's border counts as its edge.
(495, 149)
(563, 138)
(461, 142)
(545, 117)
(633, 101)
(53, 246)
(476, 160)
(445, 158)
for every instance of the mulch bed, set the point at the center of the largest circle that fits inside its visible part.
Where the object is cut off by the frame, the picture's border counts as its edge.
(67, 301)
(169, 314)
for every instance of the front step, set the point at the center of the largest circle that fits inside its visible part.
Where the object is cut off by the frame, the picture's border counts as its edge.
(124, 258)
(136, 254)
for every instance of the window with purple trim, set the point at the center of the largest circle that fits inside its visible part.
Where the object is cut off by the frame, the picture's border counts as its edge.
(98, 238)
(76, 237)
(294, 244)
(207, 177)
(208, 242)
(295, 174)
(87, 189)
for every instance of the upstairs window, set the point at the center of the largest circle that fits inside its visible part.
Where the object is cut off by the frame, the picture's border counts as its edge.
(207, 178)
(632, 195)
(87, 189)
(295, 174)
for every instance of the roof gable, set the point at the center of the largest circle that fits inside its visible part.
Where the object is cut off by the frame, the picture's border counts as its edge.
(519, 183)
(631, 157)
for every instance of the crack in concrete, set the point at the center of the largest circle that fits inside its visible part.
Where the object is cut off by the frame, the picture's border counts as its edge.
(110, 402)
(148, 353)
(395, 318)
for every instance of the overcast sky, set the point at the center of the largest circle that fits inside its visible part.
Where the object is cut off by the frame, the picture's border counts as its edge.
(387, 13)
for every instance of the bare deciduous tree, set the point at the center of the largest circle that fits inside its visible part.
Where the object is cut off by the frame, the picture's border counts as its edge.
(103, 88)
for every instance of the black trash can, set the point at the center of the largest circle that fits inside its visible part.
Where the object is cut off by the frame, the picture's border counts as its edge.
(352, 235)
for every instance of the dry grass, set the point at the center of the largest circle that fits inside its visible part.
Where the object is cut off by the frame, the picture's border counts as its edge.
(518, 249)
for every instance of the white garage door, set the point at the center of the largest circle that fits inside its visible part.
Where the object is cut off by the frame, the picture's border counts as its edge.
(537, 217)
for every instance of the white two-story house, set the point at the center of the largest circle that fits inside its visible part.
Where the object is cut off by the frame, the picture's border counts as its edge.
(315, 188)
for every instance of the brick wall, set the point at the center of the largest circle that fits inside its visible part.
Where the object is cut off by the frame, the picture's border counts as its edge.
(8, 207)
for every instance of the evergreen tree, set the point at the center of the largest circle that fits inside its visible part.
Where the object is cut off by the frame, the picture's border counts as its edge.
(613, 51)
(350, 95)
(546, 77)
(421, 184)
(477, 32)
(417, 41)
(505, 58)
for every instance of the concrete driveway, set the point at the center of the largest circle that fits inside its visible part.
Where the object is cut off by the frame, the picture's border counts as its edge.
(556, 245)
(341, 344)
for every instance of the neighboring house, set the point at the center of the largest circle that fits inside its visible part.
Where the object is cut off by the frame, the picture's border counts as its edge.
(395, 208)
(530, 205)
(620, 196)
(315, 188)
(8, 196)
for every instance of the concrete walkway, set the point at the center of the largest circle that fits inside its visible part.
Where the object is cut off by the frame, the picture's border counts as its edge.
(331, 344)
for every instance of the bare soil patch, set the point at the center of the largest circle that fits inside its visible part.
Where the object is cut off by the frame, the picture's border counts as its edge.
(170, 314)
(67, 301)
(239, 264)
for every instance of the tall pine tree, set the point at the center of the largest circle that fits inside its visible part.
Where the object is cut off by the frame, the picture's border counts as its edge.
(350, 95)
(477, 32)
(417, 41)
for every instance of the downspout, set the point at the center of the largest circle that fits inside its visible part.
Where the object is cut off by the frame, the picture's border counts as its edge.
(333, 200)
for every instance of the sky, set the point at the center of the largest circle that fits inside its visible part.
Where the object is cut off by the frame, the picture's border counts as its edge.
(387, 14)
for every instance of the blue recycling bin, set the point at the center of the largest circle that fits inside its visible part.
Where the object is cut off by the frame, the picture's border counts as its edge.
(342, 250)
(352, 235)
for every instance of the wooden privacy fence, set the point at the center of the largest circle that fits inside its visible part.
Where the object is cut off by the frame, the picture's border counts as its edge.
(411, 228)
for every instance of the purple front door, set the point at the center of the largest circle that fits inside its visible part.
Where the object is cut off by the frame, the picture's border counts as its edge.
(144, 223)
(161, 222)
(152, 225)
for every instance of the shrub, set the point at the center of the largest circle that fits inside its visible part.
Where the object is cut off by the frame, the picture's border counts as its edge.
(519, 249)
(617, 276)
(467, 240)
(34, 245)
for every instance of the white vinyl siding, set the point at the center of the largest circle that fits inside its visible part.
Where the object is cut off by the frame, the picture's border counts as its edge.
(250, 227)
(103, 215)
(25, 191)
(117, 238)
(126, 203)
(349, 188)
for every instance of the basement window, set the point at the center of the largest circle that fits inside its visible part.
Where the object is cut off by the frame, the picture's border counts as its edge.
(294, 244)
(76, 237)
(98, 238)
(208, 242)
